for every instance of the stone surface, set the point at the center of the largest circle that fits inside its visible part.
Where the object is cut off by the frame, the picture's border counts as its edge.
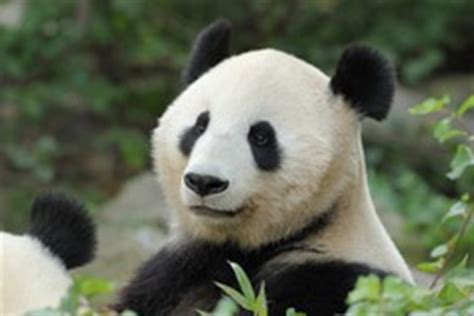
(131, 227)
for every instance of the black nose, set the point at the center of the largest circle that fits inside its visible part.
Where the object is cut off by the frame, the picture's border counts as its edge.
(205, 185)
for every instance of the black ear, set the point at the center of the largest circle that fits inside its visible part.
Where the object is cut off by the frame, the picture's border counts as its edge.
(64, 227)
(366, 80)
(211, 46)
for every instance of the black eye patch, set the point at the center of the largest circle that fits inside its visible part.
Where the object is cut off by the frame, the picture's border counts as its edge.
(264, 146)
(191, 134)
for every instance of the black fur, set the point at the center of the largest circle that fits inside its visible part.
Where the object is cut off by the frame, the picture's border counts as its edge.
(176, 273)
(264, 146)
(211, 46)
(191, 135)
(172, 274)
(63, 226)
(188, 274)
(316, 289)
(366, 80)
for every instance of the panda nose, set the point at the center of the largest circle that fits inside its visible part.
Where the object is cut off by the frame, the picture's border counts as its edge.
(205, 185)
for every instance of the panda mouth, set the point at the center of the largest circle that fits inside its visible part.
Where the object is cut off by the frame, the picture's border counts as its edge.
(212, 212)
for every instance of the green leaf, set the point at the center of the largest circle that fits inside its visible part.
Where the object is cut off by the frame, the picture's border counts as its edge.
(244, 282)
(70, 302)
(451, 293)
(443, 131)
(225, 306)
(367, 288)
(439, 251)
(91, 287)
(467, 104)
(431, 267)
(458, 209)
(463, 263)
(395, 289)
(365, 309)
(235, 295)
(293, 312)
(261, 302)
(463, 158)
(430, 106)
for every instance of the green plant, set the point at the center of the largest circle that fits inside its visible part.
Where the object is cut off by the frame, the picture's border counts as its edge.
(76, 302)
(452, 289)
(246, 298)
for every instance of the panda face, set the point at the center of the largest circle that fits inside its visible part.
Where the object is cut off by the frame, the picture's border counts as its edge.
(249, 145)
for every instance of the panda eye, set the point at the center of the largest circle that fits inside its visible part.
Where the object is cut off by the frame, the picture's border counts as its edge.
(261, 134)
(200, 129)
(259, 139)
(201, 123)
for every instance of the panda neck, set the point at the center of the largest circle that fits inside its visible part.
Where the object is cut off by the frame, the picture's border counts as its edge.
(356, 233)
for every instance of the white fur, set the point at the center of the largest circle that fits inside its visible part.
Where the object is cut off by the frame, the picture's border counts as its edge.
(31, 278)
(322, 161)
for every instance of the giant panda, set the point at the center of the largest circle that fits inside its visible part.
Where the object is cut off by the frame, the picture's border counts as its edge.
(34, 266)
(261, 161)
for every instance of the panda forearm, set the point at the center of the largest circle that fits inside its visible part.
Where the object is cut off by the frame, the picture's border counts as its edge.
(154, 288)
(316, 289)
(160, 283)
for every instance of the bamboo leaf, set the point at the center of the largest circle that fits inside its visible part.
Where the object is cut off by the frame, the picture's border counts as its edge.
(431, 105)
(468, 104)
(458, 209)
(439, 251)
(431, 267)
(235, 295)
(244, 282)
(462, 159)
(261, 302)
(443, 130)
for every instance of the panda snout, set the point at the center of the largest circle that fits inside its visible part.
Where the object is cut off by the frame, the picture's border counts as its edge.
(204, 185)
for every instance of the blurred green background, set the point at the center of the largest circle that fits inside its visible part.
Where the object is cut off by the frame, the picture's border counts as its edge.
(83, 82)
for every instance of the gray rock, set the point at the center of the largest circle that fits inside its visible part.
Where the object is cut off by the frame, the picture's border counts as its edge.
(131, 228)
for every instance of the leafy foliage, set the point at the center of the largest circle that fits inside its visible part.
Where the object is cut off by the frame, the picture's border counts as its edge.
(392, 296)
(453, 296)
(405, 192)
(245, 298)
(76, 302)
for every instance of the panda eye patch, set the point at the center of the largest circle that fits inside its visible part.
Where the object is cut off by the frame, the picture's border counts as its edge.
(201, 123)
(191, 134)
(264, 145)
(261, 134)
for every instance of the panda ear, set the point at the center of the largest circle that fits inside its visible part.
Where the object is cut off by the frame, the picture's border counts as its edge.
(211, 46)
(63, 226)
(366, 80)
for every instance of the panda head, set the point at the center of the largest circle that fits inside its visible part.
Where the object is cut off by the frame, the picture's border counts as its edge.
(35, 265)
(261, 143)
